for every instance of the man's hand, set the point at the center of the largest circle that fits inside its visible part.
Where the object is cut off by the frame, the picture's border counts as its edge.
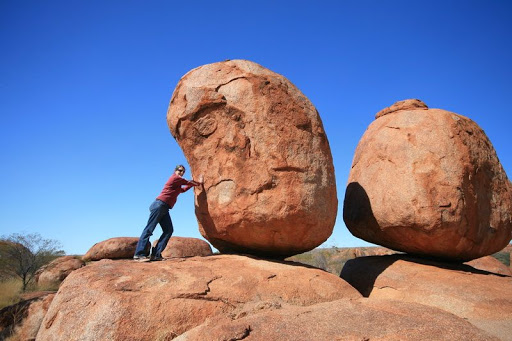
(198, 182)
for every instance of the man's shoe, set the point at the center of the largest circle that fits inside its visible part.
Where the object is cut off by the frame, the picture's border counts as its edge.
(156, 259)
(141, 258)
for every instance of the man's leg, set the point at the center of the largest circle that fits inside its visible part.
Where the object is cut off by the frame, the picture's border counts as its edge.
(154, 217)
(167, 230)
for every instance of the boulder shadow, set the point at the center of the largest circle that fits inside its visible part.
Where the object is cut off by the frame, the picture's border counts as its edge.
(362, 272)
(358, 213)
(447, 264)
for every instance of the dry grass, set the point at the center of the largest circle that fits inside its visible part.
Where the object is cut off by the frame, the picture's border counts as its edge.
(45, 287)
(10, 290)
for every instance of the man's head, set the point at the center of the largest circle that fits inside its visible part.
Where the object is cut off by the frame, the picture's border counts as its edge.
(179, 170)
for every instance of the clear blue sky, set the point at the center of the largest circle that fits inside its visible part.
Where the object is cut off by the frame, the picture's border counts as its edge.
(85, 85)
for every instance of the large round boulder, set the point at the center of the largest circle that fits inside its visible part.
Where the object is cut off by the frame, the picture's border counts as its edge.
(269, 185)
(428, 181)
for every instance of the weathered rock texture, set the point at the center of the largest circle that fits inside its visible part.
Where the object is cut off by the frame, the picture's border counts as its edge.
(55, 272)
(481, 297)
(351, 320)
(21, 321)
(180, 247)
(428, 181)
(126, 300)
(490, 264)
(113, 248)
(269, 185)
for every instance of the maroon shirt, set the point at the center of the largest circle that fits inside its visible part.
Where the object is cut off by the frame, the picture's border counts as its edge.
(173, 188)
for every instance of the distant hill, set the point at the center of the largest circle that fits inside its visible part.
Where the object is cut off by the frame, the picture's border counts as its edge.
(333, 259)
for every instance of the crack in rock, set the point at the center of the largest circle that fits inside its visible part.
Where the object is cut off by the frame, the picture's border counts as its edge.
(204, 295)
(218, 183)
(232, 80)
(265, 187)
(208, 285)
(387, 287)
(289, 169)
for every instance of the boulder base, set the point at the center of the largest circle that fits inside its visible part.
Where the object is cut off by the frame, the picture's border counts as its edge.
(480, 297)
(269, 185)
(342, 320)
(122, 300)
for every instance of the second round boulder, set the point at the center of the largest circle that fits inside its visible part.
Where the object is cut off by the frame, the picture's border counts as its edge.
(428, 181)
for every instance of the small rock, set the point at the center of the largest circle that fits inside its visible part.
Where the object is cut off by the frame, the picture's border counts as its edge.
(113, 248)
(181, 247)
(55, 272)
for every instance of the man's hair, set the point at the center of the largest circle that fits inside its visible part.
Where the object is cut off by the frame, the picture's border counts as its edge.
(179, 167)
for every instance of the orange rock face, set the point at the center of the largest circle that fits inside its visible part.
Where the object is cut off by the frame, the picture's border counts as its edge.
(351, 320)
(22, 320)
(490, 264)
(180, 247)
(55, 272)
(269, 185)
(482, 298)
(113, 248)
(127, 300)
(428, 181)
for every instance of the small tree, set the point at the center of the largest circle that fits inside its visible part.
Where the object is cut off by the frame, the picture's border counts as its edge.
(22, 255)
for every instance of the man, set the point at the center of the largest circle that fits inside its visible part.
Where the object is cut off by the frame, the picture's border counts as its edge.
(160, 214)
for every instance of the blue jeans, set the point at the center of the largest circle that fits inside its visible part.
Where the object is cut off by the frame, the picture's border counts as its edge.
(159, 215)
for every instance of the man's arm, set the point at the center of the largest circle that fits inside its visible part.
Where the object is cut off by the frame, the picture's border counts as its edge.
(192, 183)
